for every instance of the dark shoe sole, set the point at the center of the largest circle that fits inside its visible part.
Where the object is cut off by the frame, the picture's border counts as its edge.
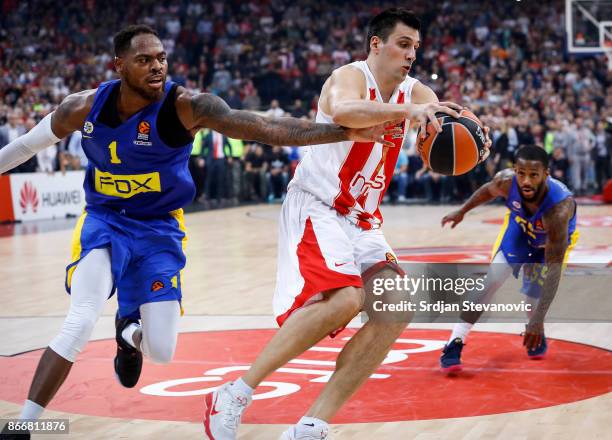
(536, 357)
(126, 384)
(452, 369)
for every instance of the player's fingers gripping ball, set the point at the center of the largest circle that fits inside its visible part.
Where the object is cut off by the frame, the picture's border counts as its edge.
(458, 148)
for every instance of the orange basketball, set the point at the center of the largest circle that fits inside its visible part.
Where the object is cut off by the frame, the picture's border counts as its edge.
(457, 148)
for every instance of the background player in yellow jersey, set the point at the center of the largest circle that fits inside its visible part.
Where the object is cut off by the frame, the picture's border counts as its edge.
(539, 231)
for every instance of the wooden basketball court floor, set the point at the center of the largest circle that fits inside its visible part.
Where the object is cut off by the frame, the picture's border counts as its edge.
(228, 284)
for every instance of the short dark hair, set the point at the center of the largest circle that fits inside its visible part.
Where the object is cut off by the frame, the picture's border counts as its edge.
(123, 39)
(383, 24)
(532, 152)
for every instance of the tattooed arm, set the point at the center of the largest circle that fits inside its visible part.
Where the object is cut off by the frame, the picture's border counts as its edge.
(206, 110)
(498, 187)
(556, 222)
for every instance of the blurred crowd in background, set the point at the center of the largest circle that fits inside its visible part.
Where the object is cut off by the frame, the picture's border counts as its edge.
(505, 60)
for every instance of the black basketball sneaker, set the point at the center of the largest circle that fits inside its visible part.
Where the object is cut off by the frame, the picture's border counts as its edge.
(128, 361)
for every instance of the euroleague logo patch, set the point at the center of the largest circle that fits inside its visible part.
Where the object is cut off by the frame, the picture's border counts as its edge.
(390, 258)
(157, 286)
(498, 377)
(144, 131)
(539, 225)
(399, 126)
(144, 127)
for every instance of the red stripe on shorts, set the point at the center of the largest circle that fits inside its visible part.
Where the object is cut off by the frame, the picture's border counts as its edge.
(317, 276)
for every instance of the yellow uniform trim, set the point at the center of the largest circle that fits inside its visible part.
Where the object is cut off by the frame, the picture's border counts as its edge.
(573, 240)
(76, 246)
(500, 236)
(180, 219)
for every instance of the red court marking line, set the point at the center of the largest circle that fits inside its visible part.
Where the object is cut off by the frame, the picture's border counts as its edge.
(498, 377)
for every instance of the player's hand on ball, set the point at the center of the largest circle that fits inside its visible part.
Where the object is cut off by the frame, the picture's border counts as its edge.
(424, 113)
(454, 218)
(376, 133)
(487, 145)
(532, 338)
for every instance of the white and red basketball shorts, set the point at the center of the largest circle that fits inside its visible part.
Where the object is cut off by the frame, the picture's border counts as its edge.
(320, 250)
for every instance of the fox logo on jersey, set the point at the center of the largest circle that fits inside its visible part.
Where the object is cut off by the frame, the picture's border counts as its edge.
(126, 185)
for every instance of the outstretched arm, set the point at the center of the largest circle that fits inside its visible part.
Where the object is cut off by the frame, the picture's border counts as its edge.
(343, 98)
(206, 110)
(556, 222)
(498, 187)
(68, 117)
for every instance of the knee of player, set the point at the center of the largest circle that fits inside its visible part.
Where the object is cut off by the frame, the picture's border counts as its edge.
(392, 328)
(81, 325)
(349, 301)
(160, 353)
(162, 356)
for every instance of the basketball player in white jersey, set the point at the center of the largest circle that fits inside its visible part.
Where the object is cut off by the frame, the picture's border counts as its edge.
(330, 241)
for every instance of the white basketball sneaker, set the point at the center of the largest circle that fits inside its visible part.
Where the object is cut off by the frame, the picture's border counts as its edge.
(305, 431)
(224, 408)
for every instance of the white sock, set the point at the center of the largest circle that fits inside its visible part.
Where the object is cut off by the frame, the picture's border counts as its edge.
(128, 334)
(310, 421)
(460, 330)
(242, 386)
(31, 410)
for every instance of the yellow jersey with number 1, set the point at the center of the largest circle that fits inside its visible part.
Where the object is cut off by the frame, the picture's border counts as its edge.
(131, 170)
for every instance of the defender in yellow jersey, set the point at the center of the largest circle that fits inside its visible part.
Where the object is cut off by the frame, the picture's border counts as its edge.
(538, 233)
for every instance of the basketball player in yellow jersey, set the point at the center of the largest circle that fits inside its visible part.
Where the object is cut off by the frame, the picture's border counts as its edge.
(330, 242)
